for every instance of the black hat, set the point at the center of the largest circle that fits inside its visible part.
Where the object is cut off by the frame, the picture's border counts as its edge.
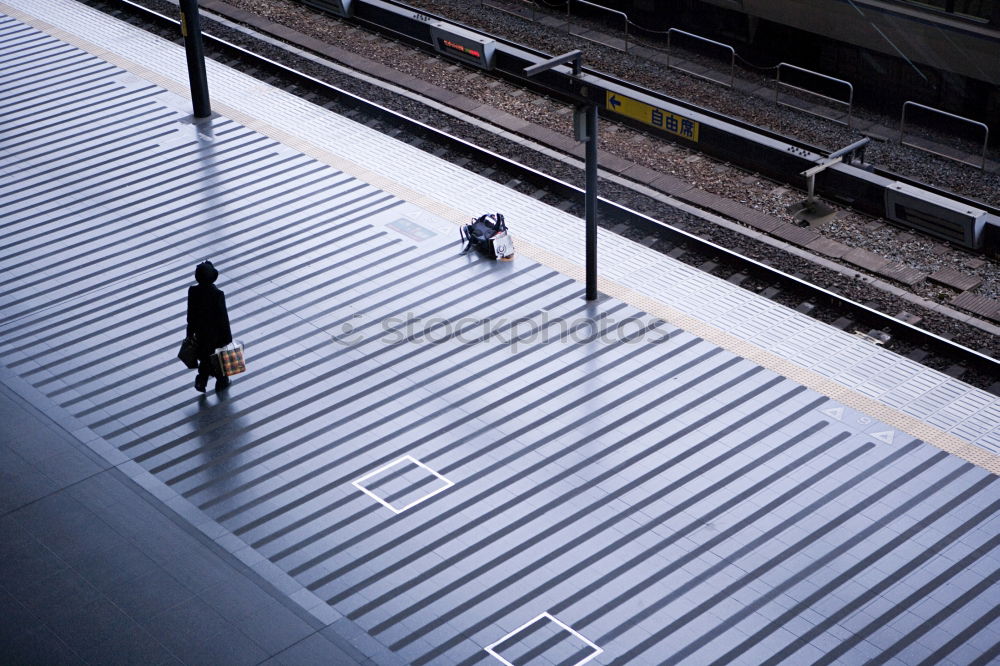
(205, 273)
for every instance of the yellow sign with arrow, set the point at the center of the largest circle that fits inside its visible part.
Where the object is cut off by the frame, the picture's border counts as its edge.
(651, 115)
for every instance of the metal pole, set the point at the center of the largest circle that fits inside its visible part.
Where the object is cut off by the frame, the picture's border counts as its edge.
(588, 110)
(590, 203)
(191, 29)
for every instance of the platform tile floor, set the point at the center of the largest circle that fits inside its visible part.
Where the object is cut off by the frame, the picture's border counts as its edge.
(927, 396)
(437, 447)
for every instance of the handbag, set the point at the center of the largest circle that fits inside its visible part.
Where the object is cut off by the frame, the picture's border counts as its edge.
(229, 359)
(188, 353)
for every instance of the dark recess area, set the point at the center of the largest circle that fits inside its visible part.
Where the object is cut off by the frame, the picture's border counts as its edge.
(881, 82)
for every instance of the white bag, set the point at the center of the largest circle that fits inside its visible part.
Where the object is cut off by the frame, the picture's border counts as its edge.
(503, 245)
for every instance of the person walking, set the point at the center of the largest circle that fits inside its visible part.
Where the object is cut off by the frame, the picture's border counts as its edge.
(208, 324)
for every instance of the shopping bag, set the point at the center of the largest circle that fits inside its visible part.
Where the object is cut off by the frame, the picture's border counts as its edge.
(503, 246)
(229, 359)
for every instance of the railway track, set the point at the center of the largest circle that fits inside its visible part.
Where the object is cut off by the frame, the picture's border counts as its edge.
(864, 187)
(678, 234)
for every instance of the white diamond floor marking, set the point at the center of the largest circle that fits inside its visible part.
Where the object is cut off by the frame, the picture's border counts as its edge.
(359, 483)
(597, 650)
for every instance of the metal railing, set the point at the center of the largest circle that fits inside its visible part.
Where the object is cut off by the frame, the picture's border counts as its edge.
(976, 123)
(779, 85)
(524, 13)
(726, 47)
(569, 23)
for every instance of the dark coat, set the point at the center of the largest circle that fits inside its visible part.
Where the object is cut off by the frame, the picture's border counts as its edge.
(207, 318)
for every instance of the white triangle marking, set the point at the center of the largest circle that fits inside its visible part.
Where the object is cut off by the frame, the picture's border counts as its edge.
(884, 436)
(835, 412)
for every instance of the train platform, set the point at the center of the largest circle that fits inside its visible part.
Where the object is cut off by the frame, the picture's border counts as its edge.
(433, 458)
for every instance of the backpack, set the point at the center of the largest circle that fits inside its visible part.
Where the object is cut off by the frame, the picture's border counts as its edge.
(488, 234)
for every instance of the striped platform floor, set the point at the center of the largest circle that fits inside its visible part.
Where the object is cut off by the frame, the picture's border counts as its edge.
(462, 457)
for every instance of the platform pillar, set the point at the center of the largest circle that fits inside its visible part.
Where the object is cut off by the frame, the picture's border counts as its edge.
(191, 29)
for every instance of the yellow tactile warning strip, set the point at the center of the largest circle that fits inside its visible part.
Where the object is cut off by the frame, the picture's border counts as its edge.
(808, 378)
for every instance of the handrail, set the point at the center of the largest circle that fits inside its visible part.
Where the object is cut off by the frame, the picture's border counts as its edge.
(902, 128)
(569, 23)
(732, 57)
(779, 84)
(532, 18)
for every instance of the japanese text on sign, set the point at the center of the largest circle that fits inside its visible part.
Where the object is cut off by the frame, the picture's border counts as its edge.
(651, 115)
